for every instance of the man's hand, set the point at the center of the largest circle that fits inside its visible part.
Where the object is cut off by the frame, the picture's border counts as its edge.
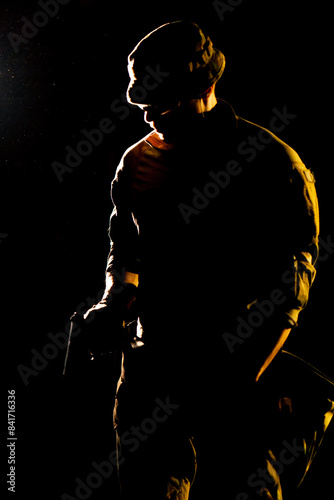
(102, 325)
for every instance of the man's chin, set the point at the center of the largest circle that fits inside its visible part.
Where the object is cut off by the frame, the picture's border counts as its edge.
(163, 134)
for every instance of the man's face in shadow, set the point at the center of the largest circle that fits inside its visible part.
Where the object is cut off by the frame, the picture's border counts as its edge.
(174, 119)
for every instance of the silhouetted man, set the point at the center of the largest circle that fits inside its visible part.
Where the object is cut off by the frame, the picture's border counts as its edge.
(214, 233)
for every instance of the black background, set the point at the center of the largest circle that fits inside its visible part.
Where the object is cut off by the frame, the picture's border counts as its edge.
(54, 240)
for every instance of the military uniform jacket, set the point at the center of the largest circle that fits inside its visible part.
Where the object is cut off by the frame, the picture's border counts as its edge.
(222, 225)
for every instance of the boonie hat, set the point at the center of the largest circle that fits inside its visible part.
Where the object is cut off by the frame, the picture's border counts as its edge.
(174, 61)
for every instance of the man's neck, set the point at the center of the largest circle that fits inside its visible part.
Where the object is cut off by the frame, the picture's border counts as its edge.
(204, 104)
(197, 107)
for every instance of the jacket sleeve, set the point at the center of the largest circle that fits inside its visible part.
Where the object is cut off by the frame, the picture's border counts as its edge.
(122, 264)
(301, 277)
(304, 233)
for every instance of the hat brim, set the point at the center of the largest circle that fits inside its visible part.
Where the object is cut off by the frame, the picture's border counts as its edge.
(216, 66)
(189, 86)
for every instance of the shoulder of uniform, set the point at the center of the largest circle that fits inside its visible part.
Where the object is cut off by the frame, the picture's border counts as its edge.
(129, 160)
(136, 149)
(248, 127)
